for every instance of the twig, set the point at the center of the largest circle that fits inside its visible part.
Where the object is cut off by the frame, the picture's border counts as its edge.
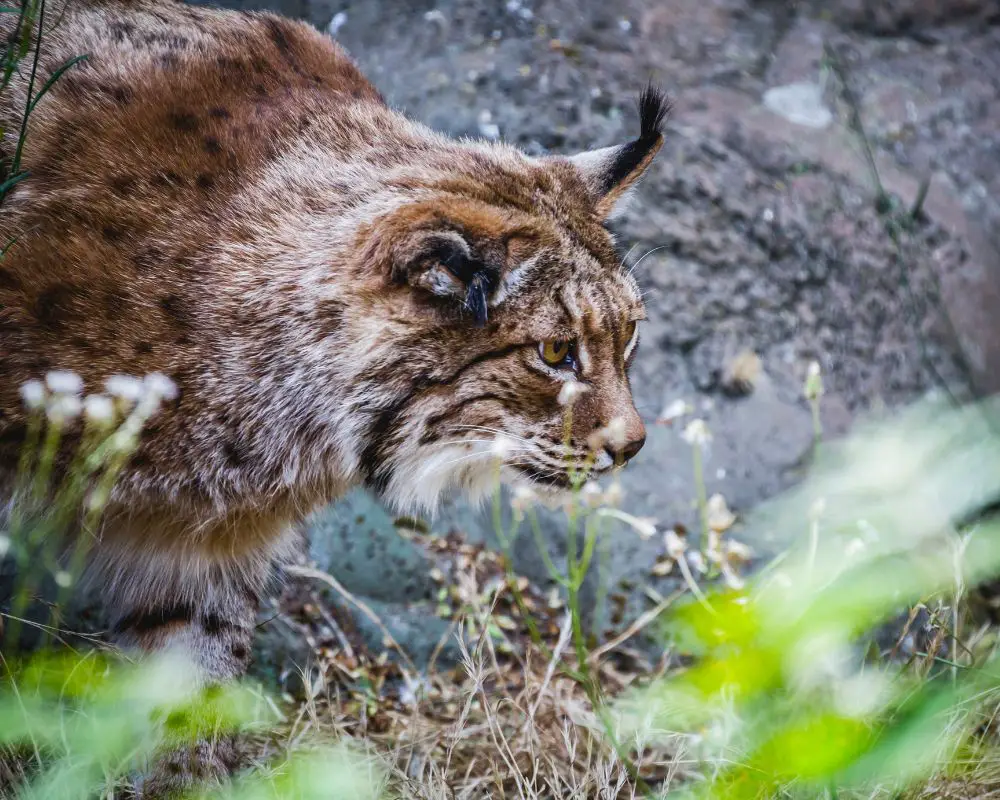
(329, 580)
(640, 622)
(332, 623)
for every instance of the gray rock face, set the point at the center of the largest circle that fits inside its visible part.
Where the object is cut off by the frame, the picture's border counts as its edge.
(888, 17)
(357, 541)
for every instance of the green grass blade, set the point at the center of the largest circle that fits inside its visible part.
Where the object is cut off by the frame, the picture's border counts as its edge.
(10, 183)
(53, 78)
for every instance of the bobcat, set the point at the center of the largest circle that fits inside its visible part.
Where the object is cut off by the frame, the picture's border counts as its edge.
(342, 297)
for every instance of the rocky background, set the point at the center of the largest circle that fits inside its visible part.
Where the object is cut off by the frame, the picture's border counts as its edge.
(757, 235)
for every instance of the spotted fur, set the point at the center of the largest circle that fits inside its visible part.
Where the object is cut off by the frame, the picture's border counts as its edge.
(341, 295)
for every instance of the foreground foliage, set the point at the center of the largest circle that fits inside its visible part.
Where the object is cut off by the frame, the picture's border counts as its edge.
(790, 686)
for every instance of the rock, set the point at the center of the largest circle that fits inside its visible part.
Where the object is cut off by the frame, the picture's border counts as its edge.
(357, 542)
(801, 103)
(888, 17)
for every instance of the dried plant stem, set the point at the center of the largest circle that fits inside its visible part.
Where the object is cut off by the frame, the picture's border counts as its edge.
(702, 498)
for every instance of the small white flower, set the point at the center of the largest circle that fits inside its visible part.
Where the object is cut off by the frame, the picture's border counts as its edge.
(854, 547)
(523, 497)
(4, 545)
(161, 386)
(663, 567)
(63, 579)
(99, 409)
(615, 494)
(62, 408)
(675, 410)
(33, 395)
(696, 560)
(571, 391)
(732, 580)
(125, 387)
(697, 434)
(63, 381)
(592, 494)
(675, 544)
(502, 446)
(813, 388)
(645, 527)
(817, 509)
(736, 551)
(720, 518)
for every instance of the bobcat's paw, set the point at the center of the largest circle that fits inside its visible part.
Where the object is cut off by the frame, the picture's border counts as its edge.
(206, 763)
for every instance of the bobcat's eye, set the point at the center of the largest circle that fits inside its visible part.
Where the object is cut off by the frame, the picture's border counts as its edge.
(557, 353)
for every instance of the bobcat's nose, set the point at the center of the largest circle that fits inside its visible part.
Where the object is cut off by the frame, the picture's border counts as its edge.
(632, 439)
(628, 451)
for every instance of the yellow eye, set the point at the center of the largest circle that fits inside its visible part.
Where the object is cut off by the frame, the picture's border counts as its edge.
(554, 352)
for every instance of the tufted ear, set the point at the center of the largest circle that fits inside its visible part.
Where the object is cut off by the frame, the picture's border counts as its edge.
(611, 171)
(445, 264)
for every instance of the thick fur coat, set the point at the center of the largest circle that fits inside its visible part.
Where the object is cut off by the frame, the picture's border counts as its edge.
(341, 296)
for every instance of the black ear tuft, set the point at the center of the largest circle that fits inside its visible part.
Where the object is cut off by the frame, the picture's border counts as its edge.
(630, 158)
(478, 278)
(476, 298)
(654, 106)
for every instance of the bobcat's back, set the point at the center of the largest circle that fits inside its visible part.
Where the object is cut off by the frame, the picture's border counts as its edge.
(151, 161)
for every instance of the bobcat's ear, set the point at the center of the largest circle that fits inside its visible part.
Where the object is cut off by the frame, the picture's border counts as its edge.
(443, 263)
(611, 171)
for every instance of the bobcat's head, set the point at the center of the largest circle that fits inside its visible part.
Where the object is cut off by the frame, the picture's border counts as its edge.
(503, 323)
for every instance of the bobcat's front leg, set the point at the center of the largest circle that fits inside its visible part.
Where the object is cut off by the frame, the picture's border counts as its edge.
(212, 624)
(197, 597)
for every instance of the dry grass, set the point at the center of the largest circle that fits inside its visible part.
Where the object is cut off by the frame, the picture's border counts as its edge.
(511, 720)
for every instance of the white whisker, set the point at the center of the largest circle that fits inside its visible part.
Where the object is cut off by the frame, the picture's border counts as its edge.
(625, 259)
(637, 263)
(477, 454)
(483, 429)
